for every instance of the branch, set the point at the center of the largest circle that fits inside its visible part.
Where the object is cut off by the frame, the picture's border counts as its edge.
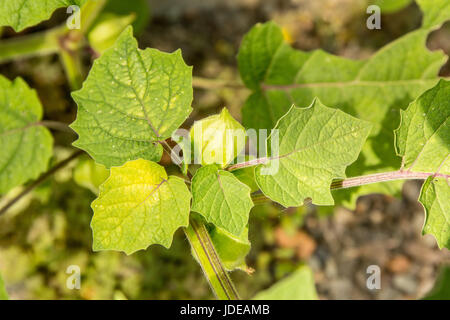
(40, 180)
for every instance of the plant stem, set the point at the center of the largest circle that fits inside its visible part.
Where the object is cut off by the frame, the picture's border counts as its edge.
(209, 260)
(73, 67)
(246, 164)
(55, 125)
(209, 84)
(383, 177)
(40, 180)
(36, 44)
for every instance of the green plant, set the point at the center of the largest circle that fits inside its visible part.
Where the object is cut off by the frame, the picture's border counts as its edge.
(379, 121)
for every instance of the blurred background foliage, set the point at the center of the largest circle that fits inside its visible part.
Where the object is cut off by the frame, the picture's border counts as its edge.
(48, 230)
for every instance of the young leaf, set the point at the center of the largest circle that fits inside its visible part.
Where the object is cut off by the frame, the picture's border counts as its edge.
(221, 199)
(247, 176)
(423, 138)
(434, 197)
(139, 206)
(89, 174)
(372, 90)
(423, 142)
(218, 139)
(139, 8)
(297, 286)
(26, 145)
(25, 13)
(132, 99)
(232, 249)
(316, 144)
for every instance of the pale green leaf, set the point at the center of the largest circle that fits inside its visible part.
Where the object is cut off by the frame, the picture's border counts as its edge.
(232, 249)
(423, 138)
(3, 293)
(221, 199)
(138, 206)
(297, 286)
(316, 144)
(435, 12)
(132, 99)
(26, 146)
(20, 14)
(374, 89)
(434, 196)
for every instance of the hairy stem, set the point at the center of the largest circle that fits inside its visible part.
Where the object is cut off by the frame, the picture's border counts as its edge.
(35, 44)
(209, 260)
(209, 84)
(382, 177)
(40, 180)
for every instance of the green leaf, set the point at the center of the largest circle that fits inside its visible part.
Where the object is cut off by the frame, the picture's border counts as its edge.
(221, 199)
(139, 8)
(89, 174)
(297, 286)
(3, 293)
(232, 249)
(25, 144)
(423, 142)
(218, 139)
(373, 90)
(139, 206)
(423, 138)
(247, 176)
(441, 289)
(435, 12)
(316, 144)
(434, 197)
(25, 13)
(107, 30)
(132, 99)
(391, 6)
